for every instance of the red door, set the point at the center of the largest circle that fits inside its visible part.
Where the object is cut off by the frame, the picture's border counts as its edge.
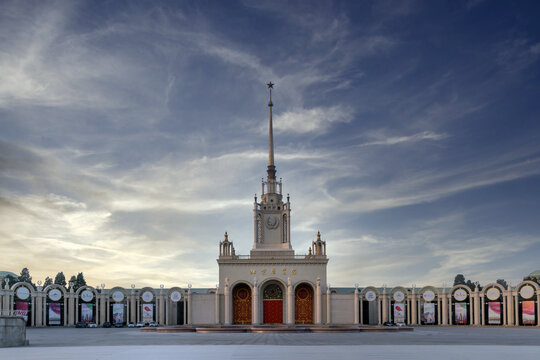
(242, 304)
(303, 304)
(273, 304)
(273, 311)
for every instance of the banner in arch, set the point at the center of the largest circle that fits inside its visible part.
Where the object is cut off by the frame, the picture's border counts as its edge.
(54, 314)
(527, 313)
(87, 313)
(494, 313)
(460, 313)
(429, 313)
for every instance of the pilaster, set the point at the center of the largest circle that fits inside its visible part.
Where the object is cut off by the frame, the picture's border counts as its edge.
(318, 302)
(290, 302)
(355, 305)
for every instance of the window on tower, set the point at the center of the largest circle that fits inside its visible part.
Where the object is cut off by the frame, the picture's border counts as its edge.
(284, 228)
(259, 229)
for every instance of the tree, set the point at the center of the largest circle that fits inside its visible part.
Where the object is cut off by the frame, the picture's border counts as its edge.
(459, 280)
(80, 280)
(25, 276)
(471, 285)
(503, 283)
(60, 279)
(48, 281)
(73, 281)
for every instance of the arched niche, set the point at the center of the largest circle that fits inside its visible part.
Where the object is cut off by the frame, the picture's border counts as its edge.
(272, 294)
(399, 305)
(527, 303)
(86, 304)
(242, 301)
(429, 300)
(175, 306)
(304, 303)
(147, 305)
(461, 303)
(370, 306)
(493, 304)
(22, 301)
(118, 305)
(55, 305)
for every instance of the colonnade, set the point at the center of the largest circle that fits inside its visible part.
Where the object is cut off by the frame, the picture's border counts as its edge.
(37, 301)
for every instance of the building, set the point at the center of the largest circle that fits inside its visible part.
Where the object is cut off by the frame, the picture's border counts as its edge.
(273, 285)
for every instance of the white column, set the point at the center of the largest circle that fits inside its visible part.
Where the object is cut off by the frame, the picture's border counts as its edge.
(290, 303)
(413, 307)
(483, 312)
(510, 310)
(516, 308)
(189, 306)
(450, 315)
(379, 315)
(504, 309)
(538, 307)
(355, 306)
(227, 302)
(476, 308)
(318, 298)
(255, 308)
(328, 306)
(384, 306)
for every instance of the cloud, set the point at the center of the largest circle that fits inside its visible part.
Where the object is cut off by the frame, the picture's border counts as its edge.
(393, 140)
(315, 120)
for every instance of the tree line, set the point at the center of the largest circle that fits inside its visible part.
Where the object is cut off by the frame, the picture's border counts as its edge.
(475, 285)
(60, 279)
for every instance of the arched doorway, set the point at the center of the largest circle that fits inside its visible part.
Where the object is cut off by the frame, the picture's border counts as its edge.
(527, 303)
(398, 306)
(429, 306)
(303, 304)
(242, 304)
(273, 304)
(22, 301)
(493, 301)
(461, 305)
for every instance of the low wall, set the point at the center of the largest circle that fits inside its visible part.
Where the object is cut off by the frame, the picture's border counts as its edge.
(12, 331)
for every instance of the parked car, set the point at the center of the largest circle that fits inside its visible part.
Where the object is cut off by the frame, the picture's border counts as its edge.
(119, 324)
(153, 324)
(80, 324)
(388, 323)
(106, 324)
(131, 325)
(140, 324)
(401, 324)
(92, 325)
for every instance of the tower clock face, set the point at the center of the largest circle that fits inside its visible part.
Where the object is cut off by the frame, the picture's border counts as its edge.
(272, 222)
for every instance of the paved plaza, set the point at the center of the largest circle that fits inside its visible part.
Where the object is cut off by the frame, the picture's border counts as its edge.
(422, 343)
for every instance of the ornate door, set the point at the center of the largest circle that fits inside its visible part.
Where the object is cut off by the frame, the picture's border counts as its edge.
(242, 304)
(303, 304)
(273, 304)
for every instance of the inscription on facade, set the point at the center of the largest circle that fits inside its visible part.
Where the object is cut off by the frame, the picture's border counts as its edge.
(272, 271)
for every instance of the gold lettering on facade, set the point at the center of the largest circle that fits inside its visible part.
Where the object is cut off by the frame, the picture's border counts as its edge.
(263, 271)
(284, 271)
(273, 271)
(293, 271)
(252, 271)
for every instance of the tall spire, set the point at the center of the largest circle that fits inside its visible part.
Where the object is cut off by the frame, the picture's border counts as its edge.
(271, 168)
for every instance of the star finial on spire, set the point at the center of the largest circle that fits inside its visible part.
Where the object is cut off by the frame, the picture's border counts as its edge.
(270, 85)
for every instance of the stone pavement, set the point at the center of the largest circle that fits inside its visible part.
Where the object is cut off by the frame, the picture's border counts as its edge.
(273, 352)
(439, 343)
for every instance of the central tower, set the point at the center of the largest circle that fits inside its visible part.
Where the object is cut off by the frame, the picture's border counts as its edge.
(271, 216)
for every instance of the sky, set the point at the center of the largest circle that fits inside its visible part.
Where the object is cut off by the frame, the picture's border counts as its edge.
(134, 134)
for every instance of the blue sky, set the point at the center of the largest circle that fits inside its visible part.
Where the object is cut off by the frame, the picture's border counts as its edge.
(134, 135)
